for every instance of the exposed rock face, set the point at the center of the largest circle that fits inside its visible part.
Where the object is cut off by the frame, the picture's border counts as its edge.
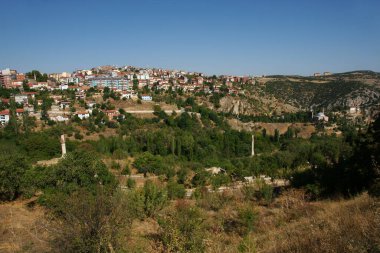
(285, 94)
(237, 106)
(254, 105)
(363, 97)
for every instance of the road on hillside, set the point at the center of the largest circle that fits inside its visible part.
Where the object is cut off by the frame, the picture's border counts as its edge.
(152, 111)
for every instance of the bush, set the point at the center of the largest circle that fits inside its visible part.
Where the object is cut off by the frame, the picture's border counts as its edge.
(249, 192)
(175, 190)
(12, 170)
(131, 183)
(93, 222)
(247, 245)
(78, 136)
(265, 192)
(148, 163)
(115, 165)
(242, 222)
(149, 200)
(183, 230)
(126, 171)
(247, 218)
(78, 170)
(219, 180)
(212, 200)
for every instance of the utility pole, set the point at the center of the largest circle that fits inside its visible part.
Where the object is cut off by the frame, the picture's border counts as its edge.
(253, 145)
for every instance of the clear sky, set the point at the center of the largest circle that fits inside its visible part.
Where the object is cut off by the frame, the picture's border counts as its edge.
(211, 36)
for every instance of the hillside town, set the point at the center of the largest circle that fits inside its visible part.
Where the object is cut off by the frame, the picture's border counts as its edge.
(59, 97)
(124, 83)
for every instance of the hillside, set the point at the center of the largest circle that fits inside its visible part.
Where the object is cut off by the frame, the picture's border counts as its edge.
(290, 224)
(289, 94)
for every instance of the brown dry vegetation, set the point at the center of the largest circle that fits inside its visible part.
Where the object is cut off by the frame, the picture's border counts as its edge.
(290, 224)
(23, 228)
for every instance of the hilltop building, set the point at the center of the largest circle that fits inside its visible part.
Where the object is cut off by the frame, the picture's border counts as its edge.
(115, 83)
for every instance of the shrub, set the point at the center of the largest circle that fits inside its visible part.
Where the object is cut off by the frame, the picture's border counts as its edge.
(265, 192)
(247, 245)
(126, 171)
(183, 230)
(241, 222)
(115, 165)
(131, 183)
(78, 136)
(212, 200)
(153, 197)
(249, 192)
(219, 180)
(93, 222)
(12, 169)
(175, 190)
(247, 218)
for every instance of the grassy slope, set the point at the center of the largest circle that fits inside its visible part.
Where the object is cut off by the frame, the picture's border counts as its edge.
(290, 224)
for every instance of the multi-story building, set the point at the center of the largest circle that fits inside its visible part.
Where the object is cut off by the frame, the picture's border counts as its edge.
(115, 83)
(20, 77)
(66, 80)
(7, 81)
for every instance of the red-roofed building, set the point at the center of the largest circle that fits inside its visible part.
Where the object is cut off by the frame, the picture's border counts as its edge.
(111, 113)
(4, 117)
(19, 111)
(5, 100)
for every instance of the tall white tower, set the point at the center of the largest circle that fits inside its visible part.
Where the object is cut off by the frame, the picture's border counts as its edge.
(253, 145)
(63, 145)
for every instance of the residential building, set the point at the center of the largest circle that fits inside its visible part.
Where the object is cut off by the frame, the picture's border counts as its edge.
(115, 83)
(146, 98)
(83, 114)
(21, 98)
(4, 117)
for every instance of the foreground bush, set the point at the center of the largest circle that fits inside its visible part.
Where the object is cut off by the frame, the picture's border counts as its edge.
(93, 222)
(183, 230)
(12, 170)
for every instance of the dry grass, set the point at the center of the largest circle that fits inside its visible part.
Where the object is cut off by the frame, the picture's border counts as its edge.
(328, 226)
(23, 228)
(290, 224)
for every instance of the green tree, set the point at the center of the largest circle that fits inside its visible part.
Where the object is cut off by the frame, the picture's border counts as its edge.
(154, 198)
(175, 190)
(82, 170)
(12, 170)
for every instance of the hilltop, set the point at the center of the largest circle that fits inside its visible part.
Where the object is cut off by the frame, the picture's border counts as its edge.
(289, 94)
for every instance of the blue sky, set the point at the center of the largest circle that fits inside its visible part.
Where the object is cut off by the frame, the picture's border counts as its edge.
(210, 36)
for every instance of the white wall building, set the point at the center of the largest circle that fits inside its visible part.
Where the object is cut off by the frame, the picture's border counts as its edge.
(146, 98)
(4, 117)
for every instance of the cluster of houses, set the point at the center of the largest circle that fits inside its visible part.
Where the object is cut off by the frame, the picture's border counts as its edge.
(122, 80)
(125, 78)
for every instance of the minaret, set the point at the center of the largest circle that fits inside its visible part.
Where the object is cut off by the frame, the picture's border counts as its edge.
(63, 145)
(253, 145)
